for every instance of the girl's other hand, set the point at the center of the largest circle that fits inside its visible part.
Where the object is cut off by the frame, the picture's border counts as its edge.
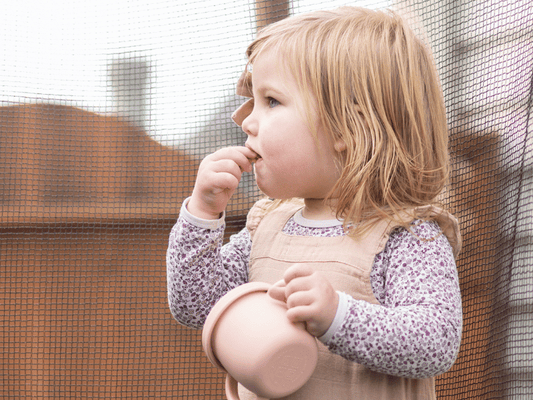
(309, 296)
(218, 176)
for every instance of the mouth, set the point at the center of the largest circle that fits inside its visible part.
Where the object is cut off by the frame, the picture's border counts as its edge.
(255, 159)
(257, 155)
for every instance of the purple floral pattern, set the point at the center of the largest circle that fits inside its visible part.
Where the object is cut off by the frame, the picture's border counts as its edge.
(414, 332)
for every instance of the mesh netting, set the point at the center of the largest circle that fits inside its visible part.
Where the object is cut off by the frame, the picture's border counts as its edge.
(106, 109)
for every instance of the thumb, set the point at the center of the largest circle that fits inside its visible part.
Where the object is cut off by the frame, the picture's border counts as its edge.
(277, 291)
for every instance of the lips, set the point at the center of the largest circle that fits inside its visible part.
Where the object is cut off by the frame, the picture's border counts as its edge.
(254, 159)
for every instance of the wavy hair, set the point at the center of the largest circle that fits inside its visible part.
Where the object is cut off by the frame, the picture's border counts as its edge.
(375, 88)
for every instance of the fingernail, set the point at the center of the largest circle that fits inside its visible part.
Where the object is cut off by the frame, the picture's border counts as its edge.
(280, 283)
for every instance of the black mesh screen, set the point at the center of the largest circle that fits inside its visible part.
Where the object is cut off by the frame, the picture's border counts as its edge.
(106, 109)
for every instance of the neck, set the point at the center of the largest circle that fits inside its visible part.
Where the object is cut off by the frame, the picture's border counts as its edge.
(318, 209)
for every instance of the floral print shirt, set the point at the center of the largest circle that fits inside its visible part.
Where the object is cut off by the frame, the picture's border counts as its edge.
(414, 332)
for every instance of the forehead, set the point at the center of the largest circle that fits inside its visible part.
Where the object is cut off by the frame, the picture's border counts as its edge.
(270, 71)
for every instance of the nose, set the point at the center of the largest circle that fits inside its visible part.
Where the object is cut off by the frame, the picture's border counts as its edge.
(243, 117)
(249, 125)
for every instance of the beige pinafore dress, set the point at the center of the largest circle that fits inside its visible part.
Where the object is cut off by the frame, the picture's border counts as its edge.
(347, 264)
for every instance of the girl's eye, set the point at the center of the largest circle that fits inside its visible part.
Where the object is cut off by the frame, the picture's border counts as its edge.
(272, 102)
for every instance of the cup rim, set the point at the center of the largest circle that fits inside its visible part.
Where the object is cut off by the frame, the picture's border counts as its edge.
(218, 309)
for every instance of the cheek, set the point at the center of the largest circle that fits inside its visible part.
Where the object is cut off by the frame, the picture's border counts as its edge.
(287, 143)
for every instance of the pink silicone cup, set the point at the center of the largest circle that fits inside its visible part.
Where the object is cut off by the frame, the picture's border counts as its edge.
(250, 333)
(218, 310)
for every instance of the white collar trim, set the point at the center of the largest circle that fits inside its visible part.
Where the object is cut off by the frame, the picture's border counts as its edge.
(314, 223)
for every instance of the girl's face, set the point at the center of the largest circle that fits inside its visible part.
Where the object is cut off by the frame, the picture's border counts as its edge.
(291, 163)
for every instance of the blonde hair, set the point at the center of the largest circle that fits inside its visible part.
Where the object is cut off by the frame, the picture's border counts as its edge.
(377, 90)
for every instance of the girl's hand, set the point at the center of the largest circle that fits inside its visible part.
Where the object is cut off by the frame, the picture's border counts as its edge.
(218, 176)
(309, 296)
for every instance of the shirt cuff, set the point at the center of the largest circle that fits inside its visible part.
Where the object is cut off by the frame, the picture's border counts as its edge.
(211, 224)
(340, 316)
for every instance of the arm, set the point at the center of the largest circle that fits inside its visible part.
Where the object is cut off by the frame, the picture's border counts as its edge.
(198, 273)
(415, 331)
(199, 269)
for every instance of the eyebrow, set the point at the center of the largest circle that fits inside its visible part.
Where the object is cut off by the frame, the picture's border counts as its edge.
(267, 88)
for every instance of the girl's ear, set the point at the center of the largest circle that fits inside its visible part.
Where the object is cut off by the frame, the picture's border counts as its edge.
(339, 145)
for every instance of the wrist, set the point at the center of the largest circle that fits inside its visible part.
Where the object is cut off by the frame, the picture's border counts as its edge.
(211, 224)
(194, 209)
(340, 315)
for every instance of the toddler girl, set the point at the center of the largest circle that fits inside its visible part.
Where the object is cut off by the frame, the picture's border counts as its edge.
(347, 135)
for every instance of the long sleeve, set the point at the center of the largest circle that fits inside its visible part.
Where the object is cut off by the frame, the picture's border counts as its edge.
(415, 331)
(199, 269)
